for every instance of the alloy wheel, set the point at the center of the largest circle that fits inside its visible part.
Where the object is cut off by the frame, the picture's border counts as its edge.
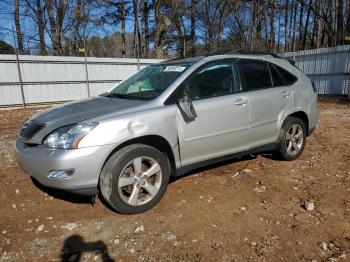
(140, 181)
(294, 139)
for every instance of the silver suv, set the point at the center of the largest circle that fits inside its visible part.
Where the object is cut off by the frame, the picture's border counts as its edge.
(166, 120)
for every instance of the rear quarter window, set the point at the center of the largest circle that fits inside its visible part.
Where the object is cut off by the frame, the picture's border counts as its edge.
(288, 77)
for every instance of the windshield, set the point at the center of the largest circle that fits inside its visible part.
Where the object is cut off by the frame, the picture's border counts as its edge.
(150, 82)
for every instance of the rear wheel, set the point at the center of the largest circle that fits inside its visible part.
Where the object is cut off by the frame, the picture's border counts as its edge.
(135, 178)
(292, 138)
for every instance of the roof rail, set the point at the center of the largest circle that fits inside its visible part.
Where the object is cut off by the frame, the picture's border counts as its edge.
(245, 52)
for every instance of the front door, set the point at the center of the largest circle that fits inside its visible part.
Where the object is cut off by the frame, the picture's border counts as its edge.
(222, 123)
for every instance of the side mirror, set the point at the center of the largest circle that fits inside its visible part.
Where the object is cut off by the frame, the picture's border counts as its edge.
(186, 108)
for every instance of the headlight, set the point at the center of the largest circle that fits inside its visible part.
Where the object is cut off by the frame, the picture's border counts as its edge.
(68, 137)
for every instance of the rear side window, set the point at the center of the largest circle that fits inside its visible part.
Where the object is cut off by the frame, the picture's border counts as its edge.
(254, 74)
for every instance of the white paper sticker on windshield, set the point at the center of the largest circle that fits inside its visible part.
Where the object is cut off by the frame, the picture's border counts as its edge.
(174, 68)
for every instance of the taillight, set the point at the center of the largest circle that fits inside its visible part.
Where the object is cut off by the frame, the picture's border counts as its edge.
(314, 86)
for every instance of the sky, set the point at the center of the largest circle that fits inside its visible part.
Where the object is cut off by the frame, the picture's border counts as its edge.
(28, 27)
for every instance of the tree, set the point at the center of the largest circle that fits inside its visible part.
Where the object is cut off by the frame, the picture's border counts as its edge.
(18, 27)
(193, 26)
(162, 23)
(56, 13)
(116, 13)
(41, 27)
(36, 12)
(340, 22)
(145, 30)
(301, 27)
(123, 19)
(166, 28)
(286, 40)
(137, 46)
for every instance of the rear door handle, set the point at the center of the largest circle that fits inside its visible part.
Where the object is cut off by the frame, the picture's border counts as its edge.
(241, 102)
(285, 93)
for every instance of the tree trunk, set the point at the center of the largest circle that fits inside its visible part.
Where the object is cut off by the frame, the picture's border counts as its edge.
(208, 25)
(158, 41)
(291, 24)
(347, 26)
(222, 8)
(301, 27)
(193, 27)
(123, 18)
(136, 30)
(252, 26)
(181, 37)
(56, 23)
(258, 24)
(41, 28)
(18, 28)
(340, 22)
(307, 24)
(286, 40)
(145, 27)
(279, 31)
(294, 24)
(272, 25)
(314, 30)
(319, 24)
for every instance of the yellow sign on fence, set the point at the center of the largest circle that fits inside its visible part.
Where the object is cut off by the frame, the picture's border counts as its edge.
(81, 50)
(347, 38)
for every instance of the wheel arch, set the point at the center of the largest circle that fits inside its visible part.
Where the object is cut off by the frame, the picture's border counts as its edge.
(302, 116)
(155, 141)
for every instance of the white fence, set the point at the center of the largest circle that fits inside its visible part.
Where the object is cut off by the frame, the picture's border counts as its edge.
(329, 68)
(52, 78)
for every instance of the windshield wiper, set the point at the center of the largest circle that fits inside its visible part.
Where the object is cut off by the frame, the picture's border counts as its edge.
(115, 95)
(128, 96)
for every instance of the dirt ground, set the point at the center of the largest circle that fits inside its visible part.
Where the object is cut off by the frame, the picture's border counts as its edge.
(248, 209)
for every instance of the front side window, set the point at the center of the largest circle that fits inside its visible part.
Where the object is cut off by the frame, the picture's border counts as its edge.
(150, 82)
(255, 74)
(215, 79)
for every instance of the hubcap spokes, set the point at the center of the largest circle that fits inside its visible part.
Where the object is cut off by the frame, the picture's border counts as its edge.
(140, 181)
(294, 139)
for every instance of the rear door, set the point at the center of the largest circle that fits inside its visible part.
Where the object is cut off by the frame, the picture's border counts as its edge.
(267, 100)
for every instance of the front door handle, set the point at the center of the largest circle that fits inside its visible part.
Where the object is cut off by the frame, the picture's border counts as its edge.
(286, 93)
(241, 102)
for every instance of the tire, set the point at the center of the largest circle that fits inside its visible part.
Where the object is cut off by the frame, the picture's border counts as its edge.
(135, 178)
(291, 139)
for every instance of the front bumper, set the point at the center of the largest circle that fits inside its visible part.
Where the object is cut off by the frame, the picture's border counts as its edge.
(38, 162)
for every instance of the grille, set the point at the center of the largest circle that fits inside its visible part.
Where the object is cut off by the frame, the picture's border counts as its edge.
(29, 129)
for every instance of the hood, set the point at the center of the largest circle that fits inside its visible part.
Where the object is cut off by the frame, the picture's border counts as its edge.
(74, 112)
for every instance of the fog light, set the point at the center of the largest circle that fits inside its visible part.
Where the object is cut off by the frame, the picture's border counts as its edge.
(61, 174)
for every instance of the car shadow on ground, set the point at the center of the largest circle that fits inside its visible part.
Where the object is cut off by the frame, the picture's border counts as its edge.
(268, 154)
(75, 246)
(64, 195)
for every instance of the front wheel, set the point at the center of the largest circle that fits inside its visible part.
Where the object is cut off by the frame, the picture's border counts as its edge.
(292, 138)
(135, 178)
